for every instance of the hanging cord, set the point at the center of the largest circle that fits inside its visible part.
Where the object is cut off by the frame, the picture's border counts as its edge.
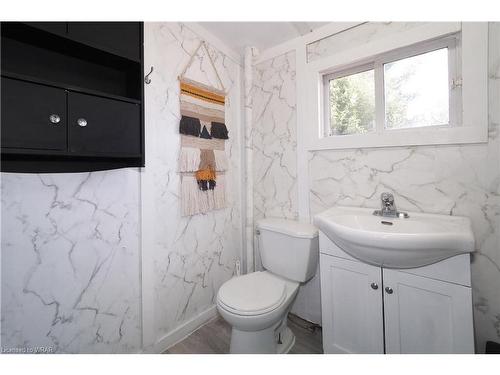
(191, 59)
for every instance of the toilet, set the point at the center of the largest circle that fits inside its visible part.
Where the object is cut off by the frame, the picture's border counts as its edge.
(256, 305)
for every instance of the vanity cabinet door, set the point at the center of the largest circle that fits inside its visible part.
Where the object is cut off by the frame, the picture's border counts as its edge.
(424, 315)
(351, 295)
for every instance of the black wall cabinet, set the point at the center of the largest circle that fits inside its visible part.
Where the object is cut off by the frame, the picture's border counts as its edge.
(72, 96)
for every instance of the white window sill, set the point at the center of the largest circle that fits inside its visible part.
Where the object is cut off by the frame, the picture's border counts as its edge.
(403, 137)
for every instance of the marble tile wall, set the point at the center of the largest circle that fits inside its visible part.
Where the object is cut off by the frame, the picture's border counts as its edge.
(275, 138)
(70, 262)
(458, 180)
(355, 36)
(190, 257)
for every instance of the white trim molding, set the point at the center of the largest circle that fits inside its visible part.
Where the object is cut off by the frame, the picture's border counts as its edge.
(180, 333)
(474, 127)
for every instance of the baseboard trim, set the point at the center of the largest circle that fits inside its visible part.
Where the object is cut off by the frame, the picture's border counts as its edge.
(183, 331)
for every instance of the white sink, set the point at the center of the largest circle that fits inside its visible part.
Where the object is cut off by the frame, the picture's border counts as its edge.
(416, 241)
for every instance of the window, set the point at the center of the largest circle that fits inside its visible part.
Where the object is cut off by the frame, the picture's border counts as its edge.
(352, 103)
(412, 87)
(416, 91)
(445, 99)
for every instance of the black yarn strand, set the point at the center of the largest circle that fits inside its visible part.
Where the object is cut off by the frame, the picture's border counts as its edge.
(219, 130)
(190, 126)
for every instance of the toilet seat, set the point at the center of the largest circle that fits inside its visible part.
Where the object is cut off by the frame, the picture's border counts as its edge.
(253, 294)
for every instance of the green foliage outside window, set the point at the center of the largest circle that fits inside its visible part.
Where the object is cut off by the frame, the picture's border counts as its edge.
(352, 102)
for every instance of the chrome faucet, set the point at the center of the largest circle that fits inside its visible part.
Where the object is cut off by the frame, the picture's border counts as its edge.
(388, 207)
(388, 204)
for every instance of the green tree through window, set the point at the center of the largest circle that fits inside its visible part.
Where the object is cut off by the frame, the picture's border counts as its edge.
(352, 101)
(352, 104)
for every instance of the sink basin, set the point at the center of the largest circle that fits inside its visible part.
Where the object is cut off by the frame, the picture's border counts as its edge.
(417, 241)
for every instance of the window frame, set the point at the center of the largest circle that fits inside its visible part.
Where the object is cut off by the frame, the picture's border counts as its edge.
(474, 86)
(451, 42)
(326, 94)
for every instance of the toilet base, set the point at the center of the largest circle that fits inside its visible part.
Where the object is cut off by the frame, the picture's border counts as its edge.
(266, 341)
(252, 342)
(287, 341)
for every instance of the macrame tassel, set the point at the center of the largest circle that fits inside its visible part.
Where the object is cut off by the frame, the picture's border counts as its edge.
(220, 193)
(190, 126)
(203, 201)
(219, 130)
(189, 160)
(207, 159)
(220, 161)
(190, 196)
(211, 199)
(205, 174)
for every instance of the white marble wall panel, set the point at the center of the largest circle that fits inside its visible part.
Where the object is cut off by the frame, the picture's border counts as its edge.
(275, 138)
(189, 257)
(458, 180)
(70, 262)
(355, 36)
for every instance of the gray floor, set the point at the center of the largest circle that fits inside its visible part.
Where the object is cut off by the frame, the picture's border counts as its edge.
(214, 337)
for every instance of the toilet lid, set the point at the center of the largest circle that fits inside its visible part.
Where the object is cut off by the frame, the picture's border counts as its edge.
(255, 293)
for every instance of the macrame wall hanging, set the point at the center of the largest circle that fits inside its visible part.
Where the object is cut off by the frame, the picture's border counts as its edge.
(202, 160)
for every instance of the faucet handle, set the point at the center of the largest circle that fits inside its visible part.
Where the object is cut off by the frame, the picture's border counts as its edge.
(387, 202)
(387, 197)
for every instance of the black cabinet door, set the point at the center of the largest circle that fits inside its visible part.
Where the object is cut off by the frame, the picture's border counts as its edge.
(58, 28)
(103, 127)
(33, 116)
(121, 38)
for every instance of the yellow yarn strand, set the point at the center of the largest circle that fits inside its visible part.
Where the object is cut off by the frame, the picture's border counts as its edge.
(205, 174)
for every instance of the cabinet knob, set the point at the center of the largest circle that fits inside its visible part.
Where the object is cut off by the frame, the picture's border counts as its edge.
(81, 122)
(55, 119)
(374, 286)
(388, 290)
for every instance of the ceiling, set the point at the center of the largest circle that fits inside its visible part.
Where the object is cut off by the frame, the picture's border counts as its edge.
(238, 35)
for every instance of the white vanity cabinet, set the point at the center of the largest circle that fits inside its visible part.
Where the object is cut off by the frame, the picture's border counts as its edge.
(351, 306)
(423, 315)
(369, 309)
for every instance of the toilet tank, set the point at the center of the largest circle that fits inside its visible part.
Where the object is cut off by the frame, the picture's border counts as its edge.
(288, 248)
